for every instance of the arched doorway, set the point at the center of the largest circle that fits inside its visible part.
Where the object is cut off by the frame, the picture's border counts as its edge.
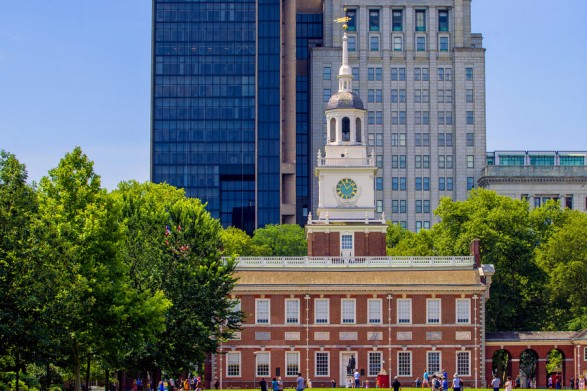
(555, 369)
(528, 368)
(502, 364)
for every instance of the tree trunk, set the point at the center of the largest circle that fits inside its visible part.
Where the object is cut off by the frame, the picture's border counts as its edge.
(88, 372)
(17, 370)
(48, 378)
(76, 366)
(106, 382)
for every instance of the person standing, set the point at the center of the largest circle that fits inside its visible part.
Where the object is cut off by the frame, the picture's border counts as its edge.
(263, 384)
(300, 383)
(396, 384)
(357, 377)
(444, 384)
(495, 383)
(508, 384)
(274, 384)
(457, 383)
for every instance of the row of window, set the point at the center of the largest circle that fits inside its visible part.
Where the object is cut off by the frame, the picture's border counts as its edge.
(399, 74)
(420, 117)
(423, 184)
(398, 43)
(322, 363)
(397, 20)
(420, 140)
(348, 313)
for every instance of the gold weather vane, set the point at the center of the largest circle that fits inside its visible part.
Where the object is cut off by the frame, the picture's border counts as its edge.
(344, 20)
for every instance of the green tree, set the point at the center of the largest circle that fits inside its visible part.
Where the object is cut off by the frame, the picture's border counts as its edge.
(95, 310)
(236, 242)
(20, 294)
(401, 242)
(282, 240)
(506, 241)
(563, 256)
(173, 245)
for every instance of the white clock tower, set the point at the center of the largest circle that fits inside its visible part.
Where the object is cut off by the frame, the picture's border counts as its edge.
(346, 224)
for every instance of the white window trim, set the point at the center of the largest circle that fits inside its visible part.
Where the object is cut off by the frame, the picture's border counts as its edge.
(342, 301)
(369, 362)
(420, 35)
(393, 38)
(585, 354)
(380, 309)
(327, 311)
(428, 301)
(457, 312)
(268, 311)
(447, 36)
(457, 363)
(316, 364)
(285, 309)
(297, 354)
(411, 363)
(240, 367)
(398, 312)
(259, 354)
(378, 36)
(439, 359)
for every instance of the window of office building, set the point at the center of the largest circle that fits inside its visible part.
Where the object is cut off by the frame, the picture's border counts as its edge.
(398, 43)
(373, 20)
(398, 74)
(420, 43)
(443, 20)
(572, 160)
(403, 204)
(469, 96)
(292, 363)
(469, 73)
(470, 183)
(321, 311)
(541, 160)
(327, 73)
(379, 161)
(470, 118)
(449, 180)
(378, 183)
(443, 44)
(374, 43)
(352, 43)
(470, 161)
(470, 139)
(355, 73)
(440, 161)
(440, 74)
(379, 206)
(441, 183)
(352, 23)
(420, 20)
(397, 20)
(375, 363)
(326, 94)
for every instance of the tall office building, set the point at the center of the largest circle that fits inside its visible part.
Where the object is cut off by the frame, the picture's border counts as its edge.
(239, 90)
(421, 74)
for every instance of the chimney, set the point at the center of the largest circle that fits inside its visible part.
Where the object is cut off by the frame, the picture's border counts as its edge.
(474, 251)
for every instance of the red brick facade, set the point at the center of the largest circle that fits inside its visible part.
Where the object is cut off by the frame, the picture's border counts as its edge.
(322, 244)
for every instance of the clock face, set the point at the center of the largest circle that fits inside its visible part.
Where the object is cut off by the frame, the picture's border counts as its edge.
(346, 188)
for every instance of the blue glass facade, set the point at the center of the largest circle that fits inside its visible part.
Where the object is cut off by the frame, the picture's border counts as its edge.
(213, 133)
(308, 34)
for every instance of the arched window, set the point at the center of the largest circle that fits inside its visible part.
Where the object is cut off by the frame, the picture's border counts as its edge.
(346, 129)
(332, 130)
(358, 130)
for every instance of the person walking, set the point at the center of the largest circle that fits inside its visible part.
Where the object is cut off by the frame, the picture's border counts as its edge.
(425, 379)
(300, 383)
(457, 383)
(508, 384)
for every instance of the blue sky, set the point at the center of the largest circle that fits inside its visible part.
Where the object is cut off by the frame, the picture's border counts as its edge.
(77, 72)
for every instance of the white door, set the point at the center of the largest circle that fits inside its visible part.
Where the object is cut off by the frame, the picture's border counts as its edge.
(346, 246)
(344, 361)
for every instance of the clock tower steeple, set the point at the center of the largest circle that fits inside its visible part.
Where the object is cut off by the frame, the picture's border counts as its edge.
(346, 224)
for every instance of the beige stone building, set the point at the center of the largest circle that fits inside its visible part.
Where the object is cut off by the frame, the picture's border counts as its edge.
(538, 176)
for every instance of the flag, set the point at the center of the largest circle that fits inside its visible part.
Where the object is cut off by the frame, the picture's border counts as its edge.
(167, 230)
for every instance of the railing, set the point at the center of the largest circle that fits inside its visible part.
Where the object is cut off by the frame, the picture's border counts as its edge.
(346, 161)
(355, 262)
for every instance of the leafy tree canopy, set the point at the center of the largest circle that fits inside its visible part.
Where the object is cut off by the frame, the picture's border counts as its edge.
(282, 240)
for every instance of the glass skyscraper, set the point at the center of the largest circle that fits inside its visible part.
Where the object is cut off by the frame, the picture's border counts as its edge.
(216, 98)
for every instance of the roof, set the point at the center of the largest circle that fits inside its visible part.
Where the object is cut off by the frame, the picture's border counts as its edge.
(510, 336)
(358, 280)
(345, 100)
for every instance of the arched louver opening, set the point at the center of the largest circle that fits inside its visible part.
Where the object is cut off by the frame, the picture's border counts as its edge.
(358, 131)
(332, 130)
(346, 129)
